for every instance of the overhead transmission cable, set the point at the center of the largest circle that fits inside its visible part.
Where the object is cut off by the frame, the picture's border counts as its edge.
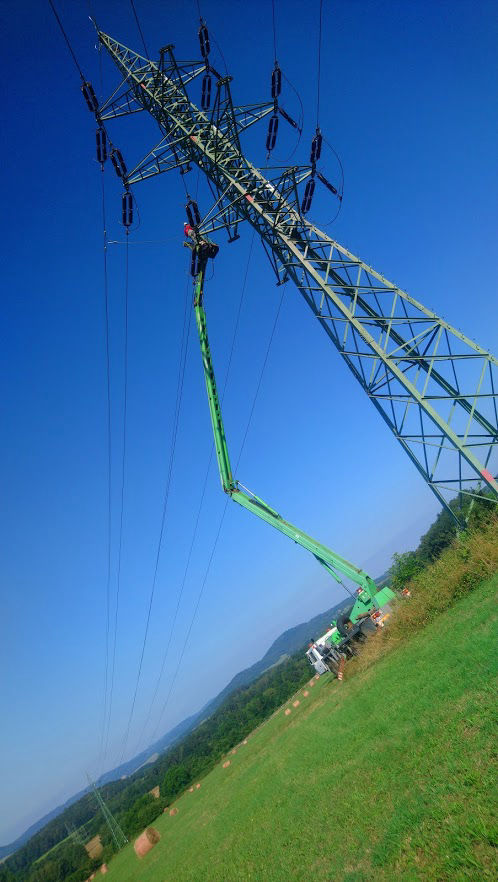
(319, 67)
(66, 38)
(109, 455)
(210, 560)
(179, 394)
(123, 472)
(201, 502)
(107, 356)
(109, 443)
(140, 29)
(274, 31)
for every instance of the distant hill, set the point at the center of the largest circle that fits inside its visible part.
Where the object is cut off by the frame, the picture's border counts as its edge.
(287, 644)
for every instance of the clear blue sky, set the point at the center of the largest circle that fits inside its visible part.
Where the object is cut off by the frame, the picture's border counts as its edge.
(408, 100)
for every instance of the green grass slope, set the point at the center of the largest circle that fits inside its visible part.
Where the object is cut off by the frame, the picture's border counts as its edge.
(387, 777)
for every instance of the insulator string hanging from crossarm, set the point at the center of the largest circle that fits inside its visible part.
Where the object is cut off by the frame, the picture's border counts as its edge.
(276, 89)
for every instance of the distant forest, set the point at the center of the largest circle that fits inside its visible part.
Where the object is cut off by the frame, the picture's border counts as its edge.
(52, 855)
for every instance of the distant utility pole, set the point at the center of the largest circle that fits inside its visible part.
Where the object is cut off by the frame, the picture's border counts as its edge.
(74, 834)
(116, 832)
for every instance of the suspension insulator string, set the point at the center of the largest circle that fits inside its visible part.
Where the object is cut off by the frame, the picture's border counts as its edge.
(204, 40)
(101, 139)
(90, 96)
(127, 209)
(193, 213)
(118, 163)
(316, 143)
(272, 133)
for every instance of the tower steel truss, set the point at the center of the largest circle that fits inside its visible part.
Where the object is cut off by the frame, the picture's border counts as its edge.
(434, 387)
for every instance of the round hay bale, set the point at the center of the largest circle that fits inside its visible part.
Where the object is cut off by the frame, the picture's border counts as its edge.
(312, 683)
(287, 711)
(146, 841)
(296, 703)
(244, 741)
(226, 764)
(197, 786)
(103, 868)
(317, 676)
(173, 811)
(305, 693)
(191, 790)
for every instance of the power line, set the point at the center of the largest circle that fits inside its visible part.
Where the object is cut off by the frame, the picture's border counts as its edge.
(194, 616)
(319, 66)
(115, 829)
(123, 471)
(109, 461)
(73, 55)
(203, 492)
(139, 28)
(206, 574)
(265, 360)
(274, 31)
(179, 394)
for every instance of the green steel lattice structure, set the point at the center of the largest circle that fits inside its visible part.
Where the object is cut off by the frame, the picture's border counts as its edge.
(435, 388)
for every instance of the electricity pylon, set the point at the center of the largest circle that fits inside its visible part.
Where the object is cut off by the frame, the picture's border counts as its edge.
(434, 387)
(115, 830)
(74, 834)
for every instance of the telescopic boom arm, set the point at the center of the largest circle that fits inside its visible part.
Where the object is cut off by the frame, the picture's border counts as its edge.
(332, 562)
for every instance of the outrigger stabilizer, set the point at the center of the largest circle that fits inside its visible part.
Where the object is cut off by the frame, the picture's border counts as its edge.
(368, 599)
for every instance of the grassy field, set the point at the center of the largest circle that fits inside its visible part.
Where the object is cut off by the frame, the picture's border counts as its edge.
(386, 777)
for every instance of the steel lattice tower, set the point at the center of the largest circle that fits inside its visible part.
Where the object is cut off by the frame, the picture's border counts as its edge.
(115, 830)
(434, 387)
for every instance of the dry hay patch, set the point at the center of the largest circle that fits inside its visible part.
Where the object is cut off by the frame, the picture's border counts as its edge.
(94, 847)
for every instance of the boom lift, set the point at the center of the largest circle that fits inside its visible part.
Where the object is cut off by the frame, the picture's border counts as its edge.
(367, 600)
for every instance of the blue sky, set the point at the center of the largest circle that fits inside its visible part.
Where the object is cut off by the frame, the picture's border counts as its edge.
(407, 101)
